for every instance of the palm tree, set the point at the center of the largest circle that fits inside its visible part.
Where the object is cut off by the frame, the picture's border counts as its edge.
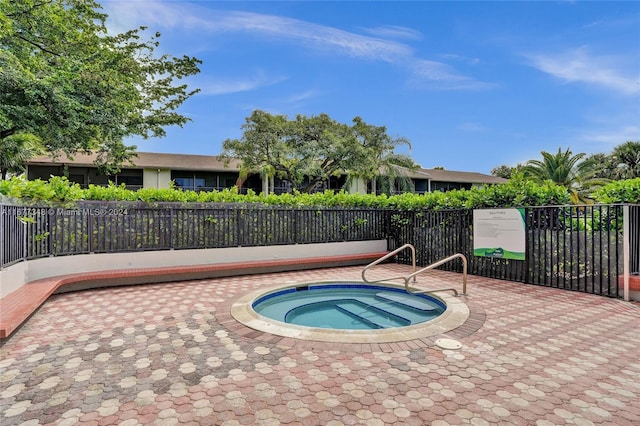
(603, 165)
(16, 150)
(566, 169)
(379, 163)
(627, 158)
(393, 175)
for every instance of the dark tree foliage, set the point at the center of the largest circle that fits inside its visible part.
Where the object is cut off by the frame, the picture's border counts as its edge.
(66, 81)
(307, 151)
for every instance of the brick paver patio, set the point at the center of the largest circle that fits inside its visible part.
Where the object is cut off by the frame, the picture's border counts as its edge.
(172, 354)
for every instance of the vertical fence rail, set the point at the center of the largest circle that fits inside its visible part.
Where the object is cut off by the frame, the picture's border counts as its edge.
(13, 234)
(634, 239)
(575, 248)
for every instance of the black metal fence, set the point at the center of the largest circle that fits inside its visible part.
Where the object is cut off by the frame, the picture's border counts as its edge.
(32, 232)
(576, 248)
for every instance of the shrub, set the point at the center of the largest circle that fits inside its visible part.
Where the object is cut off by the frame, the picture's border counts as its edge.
(517, 192)
(621, 191)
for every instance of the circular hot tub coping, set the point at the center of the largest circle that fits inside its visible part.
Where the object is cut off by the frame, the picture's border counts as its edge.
(455, 314)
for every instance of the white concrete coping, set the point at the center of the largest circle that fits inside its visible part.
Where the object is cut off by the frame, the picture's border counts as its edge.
(455, 314)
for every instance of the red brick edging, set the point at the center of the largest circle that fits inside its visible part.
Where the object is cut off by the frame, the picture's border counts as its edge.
(634, 282)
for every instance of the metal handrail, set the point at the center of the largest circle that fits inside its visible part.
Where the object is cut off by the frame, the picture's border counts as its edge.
(387, 256)
(415, 273)
(435, 265)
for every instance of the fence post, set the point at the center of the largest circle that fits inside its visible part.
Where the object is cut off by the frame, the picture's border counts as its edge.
(24, 241)
(89, 230)
(295, 214)
(527, 240)
(238, 226)
(625, 250)
(172, 232)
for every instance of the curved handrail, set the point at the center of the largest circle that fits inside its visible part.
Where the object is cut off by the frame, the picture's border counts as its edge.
(415, 273)
(435, 265)
(387, 256)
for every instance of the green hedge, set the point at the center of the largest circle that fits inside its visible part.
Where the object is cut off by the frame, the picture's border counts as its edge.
(517, 192)
(621, 191)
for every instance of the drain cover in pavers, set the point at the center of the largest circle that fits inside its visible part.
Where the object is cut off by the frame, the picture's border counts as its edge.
(448, 344)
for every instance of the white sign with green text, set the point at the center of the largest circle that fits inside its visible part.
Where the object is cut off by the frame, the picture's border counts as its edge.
(499, 233)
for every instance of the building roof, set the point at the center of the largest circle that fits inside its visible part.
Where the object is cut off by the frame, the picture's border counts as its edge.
(439, 175)
(147, 160)
(212, 163)
(413, 174)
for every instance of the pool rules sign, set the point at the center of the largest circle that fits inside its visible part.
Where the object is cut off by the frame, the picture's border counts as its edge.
(499, 233)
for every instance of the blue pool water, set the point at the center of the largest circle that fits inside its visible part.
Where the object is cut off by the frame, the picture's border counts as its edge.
(348, 306)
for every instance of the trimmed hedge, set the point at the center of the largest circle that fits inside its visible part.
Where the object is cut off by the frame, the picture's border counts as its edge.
(517, 192)
(621, 191)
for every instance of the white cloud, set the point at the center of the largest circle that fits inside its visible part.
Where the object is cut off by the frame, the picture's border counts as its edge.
(436, 75)
(223, 86)
(580, 66)
(302, 96)
(193, 18)
(394, 31)
(307, 33)
(607, 138)
(472, 127)
(460, 58)
(435, 70)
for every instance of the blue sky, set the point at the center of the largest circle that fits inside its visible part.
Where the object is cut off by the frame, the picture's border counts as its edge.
(472, 85)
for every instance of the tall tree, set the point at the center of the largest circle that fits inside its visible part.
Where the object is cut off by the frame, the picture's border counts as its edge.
(320, 147)
(502, 171)
(380, 163)
(15, 151)
(67, 81)
(566, 169)
(307, 151)
(505, 171)
(262, 148)
(602, 165)
(626, 156)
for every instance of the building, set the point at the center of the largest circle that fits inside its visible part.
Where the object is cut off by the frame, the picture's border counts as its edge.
(445, 180)
(209, 173)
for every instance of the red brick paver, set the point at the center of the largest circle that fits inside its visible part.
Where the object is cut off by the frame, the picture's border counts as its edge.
(18, 305)
(171, 354)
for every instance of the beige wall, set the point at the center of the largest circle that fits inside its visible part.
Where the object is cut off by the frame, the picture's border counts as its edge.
(156, 178)
(358, 186)
(15, 276)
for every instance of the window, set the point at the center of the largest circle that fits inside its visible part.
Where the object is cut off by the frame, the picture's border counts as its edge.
(203, 181)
